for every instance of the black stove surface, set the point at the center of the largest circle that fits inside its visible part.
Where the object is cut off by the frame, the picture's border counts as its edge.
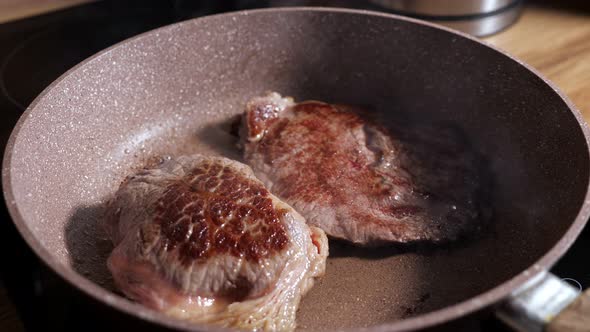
(33, 53)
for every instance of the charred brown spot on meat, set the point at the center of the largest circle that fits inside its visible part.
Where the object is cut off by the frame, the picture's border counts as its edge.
(259, 118)
(215, 210)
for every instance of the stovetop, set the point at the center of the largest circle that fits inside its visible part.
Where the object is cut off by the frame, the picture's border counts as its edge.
(33, 53)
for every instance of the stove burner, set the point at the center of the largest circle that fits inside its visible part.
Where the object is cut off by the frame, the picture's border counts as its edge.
(5, 65)
(42, 57)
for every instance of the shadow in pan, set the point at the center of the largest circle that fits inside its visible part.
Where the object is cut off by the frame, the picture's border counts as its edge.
(222, 138)
(88, 245)
(342, 248)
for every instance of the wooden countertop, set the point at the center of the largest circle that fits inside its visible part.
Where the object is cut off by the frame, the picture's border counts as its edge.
(11, 10)
(556, 41)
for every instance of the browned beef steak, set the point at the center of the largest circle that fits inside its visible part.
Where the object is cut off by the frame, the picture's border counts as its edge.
(358, 181)
(200, 238)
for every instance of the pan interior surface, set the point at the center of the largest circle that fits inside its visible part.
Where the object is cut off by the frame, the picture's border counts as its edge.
(176, 90)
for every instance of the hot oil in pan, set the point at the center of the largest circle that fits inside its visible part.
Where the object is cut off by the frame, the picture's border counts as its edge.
(361, 286)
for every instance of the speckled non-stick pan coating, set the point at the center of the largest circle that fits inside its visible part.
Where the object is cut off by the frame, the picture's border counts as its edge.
(174, 90)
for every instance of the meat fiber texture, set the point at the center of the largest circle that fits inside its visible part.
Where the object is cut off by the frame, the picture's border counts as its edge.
(360, 181)
(200, 238)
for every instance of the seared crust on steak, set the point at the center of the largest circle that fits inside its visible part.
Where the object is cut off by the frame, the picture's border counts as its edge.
(360, 181)
(201, 238)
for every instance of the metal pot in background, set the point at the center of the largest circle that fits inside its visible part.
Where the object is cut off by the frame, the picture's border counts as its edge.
(476, 17)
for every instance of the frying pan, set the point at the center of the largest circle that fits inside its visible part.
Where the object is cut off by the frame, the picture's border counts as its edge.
(175, 90)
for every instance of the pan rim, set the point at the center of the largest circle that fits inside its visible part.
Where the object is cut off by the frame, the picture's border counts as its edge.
(429, 319)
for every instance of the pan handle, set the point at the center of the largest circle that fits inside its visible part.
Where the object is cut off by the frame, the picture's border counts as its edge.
(547, 303)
